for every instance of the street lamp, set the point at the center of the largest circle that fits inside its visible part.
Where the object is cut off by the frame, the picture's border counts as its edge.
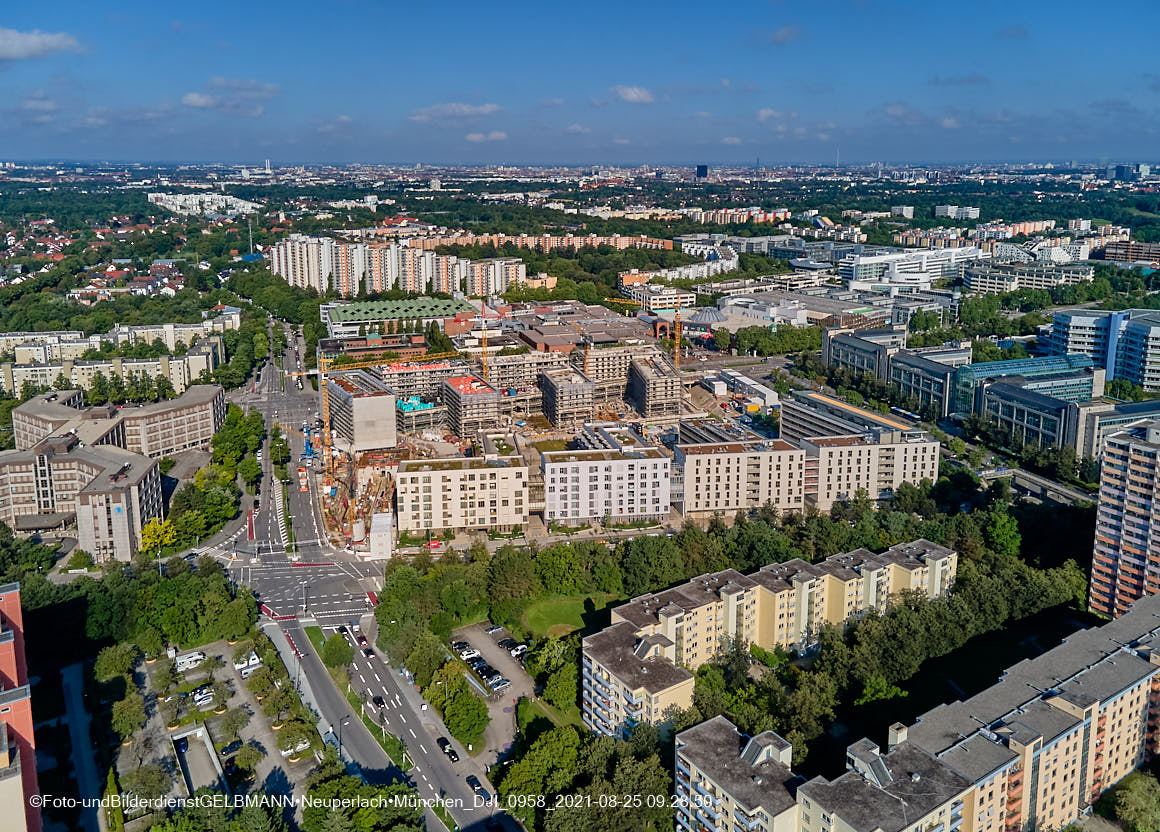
(341, 723)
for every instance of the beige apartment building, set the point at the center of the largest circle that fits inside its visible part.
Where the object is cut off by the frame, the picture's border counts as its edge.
(1033, 751)
(182, 371)
(838, 467)
(435, 495)
(109, 493)
(725, 477)
(780, 605)
(154, 430)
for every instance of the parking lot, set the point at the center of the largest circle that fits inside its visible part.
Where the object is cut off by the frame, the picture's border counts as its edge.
(501, 707)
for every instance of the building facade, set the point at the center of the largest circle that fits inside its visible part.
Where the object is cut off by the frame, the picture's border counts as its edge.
(435, 495)
(18, 781)
(619, 485)
(1126, 557)
(641, 665)
(841, 467)
(1125, 343)
(362, 412)
(726, 477)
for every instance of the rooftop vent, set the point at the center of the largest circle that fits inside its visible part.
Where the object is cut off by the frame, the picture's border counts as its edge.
(915, 777)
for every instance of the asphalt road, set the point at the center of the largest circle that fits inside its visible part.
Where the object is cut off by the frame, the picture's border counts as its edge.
(328, 586)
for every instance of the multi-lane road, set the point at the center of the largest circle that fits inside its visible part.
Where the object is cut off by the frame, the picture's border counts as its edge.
(321, 584)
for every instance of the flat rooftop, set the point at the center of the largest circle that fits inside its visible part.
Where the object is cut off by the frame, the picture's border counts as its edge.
(388, 309)
(469, 385)
(461, 463)
(601, 455)
(755, 446)
(861, 412)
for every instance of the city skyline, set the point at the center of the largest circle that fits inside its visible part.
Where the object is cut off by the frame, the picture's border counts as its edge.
(854, 81)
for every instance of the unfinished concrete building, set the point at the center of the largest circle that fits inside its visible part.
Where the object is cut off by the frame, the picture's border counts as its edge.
(607, 366)
(472, 405)
(654, 387)
(569, 397)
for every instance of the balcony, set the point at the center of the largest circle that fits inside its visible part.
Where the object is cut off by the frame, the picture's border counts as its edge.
(746, 823)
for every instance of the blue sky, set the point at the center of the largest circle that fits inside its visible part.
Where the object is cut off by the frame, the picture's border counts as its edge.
(627, 82)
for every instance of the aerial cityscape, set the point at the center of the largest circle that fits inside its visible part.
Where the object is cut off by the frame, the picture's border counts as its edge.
(569, 428)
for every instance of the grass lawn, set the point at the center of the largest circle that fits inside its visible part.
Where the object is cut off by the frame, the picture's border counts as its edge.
(551, 445)
(560, 616)
(558, 717)
(316, 638)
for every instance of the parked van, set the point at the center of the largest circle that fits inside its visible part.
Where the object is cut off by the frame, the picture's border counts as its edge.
(250, 661)
(189, 661)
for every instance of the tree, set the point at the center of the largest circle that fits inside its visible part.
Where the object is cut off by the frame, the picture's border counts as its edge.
(1138, 802)
(248, 757)
(157, 534)
(426, 657)
(722, 339)
(128, 715)
(337, 652)
(561, 688)
(114, 661)
(233, 721)
(1002, 534)
(147, 782)
(250, 470)
(465, 715)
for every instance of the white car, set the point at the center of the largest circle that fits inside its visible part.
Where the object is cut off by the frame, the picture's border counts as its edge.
(469, 654)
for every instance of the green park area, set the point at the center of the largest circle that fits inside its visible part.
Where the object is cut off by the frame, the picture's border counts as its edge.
(560, 616)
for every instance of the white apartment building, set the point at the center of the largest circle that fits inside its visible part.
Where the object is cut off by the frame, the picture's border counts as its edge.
(621, 485)
(434, 495)
(908, 270)
(486, 278)
(956, 212)
(726, 477)
(838, 467)
(305, 262)
(653, 297)
(1003, 277)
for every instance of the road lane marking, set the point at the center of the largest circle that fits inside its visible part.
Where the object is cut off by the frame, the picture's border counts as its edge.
(412, 730)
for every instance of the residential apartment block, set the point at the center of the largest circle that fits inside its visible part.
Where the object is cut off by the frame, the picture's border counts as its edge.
(956, 212)
(621, 485)
(434, 495)
(109, 493)
(654, 387)
(569, 396)
(472, 405)
(18, 781)
(640, 665)
(1033, 751)
(839, 467)
(1126, 557)
(203, 357)
(152, 430)
(726, 477)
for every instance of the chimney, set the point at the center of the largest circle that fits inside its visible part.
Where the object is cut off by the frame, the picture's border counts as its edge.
(895, 735)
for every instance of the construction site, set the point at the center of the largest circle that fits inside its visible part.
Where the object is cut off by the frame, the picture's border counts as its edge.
(546, 372)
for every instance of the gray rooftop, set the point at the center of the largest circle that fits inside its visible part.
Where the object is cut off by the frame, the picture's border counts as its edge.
(615, 648)
(716, 747)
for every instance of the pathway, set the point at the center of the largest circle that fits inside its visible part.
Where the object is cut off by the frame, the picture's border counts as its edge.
(88, 782)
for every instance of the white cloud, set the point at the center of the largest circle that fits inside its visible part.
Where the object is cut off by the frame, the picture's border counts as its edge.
(731, 140)
(493, 136)
(786, 35)
(766, 113)
(452, 111)
(620, 141)
(199, 100)
(38, 102)
(237, 96)
(895, 110)
(18, 46)
(949, 122)
(632, 95)
(577, 129)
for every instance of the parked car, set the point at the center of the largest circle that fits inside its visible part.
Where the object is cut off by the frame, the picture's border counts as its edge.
(498, 683)
(446, 747)
(487, 672)
(518, 651)
(469, 653)
(182, 745)
(477, 787)
(507, 643)
(232, 748)
(457, 646)
(493, 629)
(476, 663)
